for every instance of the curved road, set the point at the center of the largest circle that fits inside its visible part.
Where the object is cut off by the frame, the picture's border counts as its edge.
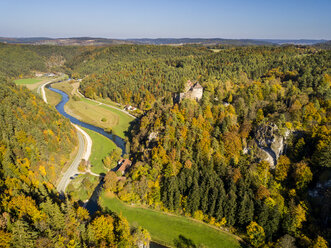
(84, 150)
(85, 143)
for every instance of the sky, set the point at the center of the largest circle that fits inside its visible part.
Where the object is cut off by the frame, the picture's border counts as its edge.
(233, 19)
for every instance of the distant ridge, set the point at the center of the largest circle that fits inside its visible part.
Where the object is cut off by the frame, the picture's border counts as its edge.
(76, 41)
(92, 41)
(324, 45)
(202, 41)
(294, 42)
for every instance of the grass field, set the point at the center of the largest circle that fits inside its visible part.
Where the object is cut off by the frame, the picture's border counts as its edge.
(123, 121)
(100, 115)
(28, 81)
(53, 98)
(101, 147)
(82, 187)
(165, 228)
(64, 86)
(109, 102)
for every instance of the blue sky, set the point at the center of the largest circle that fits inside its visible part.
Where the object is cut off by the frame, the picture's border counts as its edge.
(275, 19)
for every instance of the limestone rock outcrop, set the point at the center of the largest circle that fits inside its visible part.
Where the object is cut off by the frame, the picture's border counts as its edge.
(270, 143)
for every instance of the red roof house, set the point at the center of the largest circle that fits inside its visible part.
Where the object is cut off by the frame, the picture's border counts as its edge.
(124, 165)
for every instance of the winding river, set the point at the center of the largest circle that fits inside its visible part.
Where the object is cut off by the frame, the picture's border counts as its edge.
(92, 204)
(60, 107)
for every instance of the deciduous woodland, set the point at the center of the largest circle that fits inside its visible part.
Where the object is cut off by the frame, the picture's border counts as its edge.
(35, 145)
(251, 157)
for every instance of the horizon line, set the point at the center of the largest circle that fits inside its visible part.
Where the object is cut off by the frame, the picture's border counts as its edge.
(204, 38)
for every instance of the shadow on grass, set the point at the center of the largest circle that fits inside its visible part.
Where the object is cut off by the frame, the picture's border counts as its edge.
(92, 205)
(182, 242)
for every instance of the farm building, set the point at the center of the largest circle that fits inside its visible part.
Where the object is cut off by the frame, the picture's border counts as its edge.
(123, 165)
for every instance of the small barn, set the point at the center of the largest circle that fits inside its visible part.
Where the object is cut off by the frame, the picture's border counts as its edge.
(123, 165)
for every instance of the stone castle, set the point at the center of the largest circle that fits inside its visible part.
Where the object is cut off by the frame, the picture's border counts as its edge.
(193, 90)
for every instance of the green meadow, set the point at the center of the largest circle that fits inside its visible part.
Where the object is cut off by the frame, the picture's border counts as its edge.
(167, 228)
(101, 147)
(27, 81)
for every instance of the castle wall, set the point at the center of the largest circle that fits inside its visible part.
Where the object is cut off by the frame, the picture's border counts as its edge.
(197, 94)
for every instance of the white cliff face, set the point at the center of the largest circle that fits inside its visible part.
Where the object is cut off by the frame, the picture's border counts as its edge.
(270, 143)
(278, 146)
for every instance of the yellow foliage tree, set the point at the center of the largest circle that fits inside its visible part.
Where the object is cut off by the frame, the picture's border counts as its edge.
(302, 174)
(255, 234)
(320, 243)
(102, 229)
(282, 168)
(42, 170)
(5, 239)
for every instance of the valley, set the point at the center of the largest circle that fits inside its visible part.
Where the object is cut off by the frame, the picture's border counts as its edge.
(223, 147)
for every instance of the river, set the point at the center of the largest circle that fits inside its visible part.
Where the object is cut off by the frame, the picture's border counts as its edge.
(92, 205)
(60, 107)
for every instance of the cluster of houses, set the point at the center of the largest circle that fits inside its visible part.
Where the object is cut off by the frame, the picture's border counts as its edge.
(45, 75)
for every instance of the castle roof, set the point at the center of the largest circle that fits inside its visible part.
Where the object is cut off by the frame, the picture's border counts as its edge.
(197, 86)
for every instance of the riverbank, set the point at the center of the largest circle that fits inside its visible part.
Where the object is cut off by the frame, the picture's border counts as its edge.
(94, 113)
(101, 147)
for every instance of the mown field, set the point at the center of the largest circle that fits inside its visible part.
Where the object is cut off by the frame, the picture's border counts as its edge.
(101, 147)
(94, 113)
(53, 98)
(123, 121)
(28, 81)
(167, 229)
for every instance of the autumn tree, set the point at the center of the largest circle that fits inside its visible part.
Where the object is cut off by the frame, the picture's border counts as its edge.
(302, 174)
(255, 234)
(110, 181)
(5, 239)
(101, 230)
(320, 242)
(282, 168)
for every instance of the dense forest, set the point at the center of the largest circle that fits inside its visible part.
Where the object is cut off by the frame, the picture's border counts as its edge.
(207, 159)
(35, 144)
(252, 156)
(35, 140)
(23, 60)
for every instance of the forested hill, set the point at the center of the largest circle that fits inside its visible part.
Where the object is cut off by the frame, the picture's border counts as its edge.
(136, 74)
(141, 74)
(36, 141)
(35, 145)
(209, 159)
(24, 60)
(324, 45)
(201, 41)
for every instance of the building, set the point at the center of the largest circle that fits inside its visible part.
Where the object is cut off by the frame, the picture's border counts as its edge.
(49, 75)
(129, 107)
(193, 90)
(39, 74)
(123, 165)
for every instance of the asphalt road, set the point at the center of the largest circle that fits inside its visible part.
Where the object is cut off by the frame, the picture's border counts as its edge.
(73, 168)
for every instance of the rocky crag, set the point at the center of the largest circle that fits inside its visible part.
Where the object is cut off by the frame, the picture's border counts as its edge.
(270, 143)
